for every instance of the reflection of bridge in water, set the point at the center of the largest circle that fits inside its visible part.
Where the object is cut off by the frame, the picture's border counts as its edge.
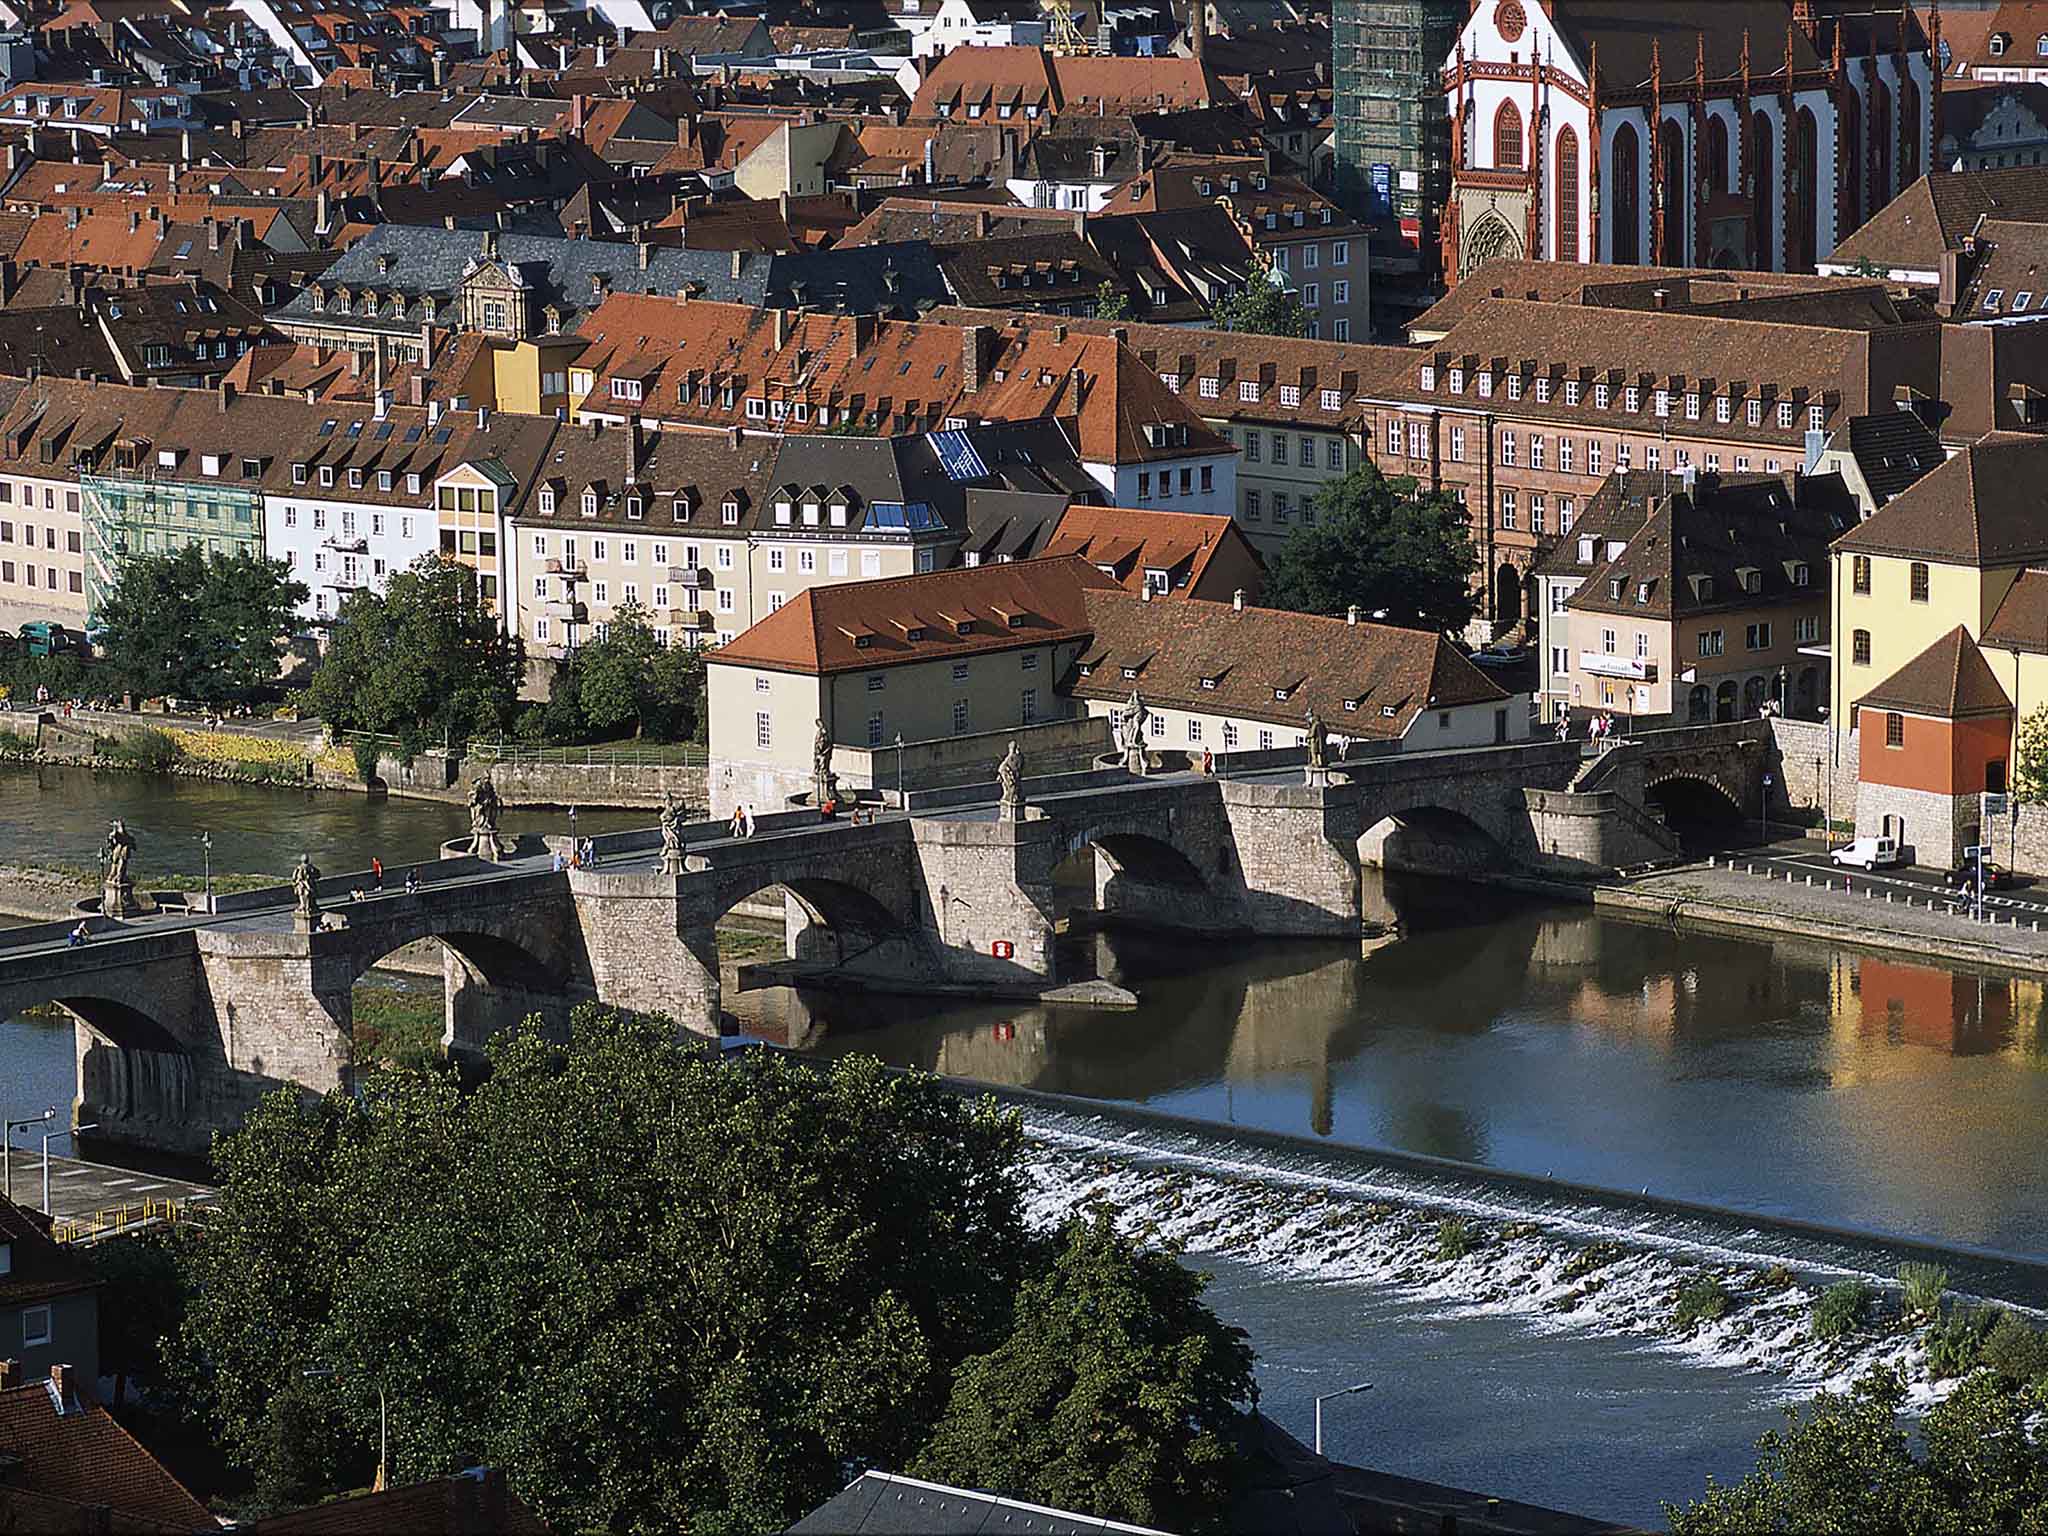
(184, 1018)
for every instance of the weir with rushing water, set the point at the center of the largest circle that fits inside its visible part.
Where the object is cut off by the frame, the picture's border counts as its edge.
(1300, 1118)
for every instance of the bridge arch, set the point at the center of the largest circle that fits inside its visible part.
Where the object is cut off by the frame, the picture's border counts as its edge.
(133, 1066)
(1698, 807)
(1425, 838)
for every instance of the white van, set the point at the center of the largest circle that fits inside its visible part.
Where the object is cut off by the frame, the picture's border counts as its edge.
(1869, 853)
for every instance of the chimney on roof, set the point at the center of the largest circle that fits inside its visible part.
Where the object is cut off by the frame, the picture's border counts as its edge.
(1660, 298)
(10, 1374)
(981, 223)
(382, 408)
(601, 53)
(433, 413)
(227, 396)
(438, 70)
(1351, 614)
(1145, 593)
(71, 217)
(644, 252)
(1237, 600)
(316, 168)
(68, 1387)
(974, 352)
(416, 390)
(739, 263)
(134, 220)
(1081, 223)
(632, 437)
(323, 214)
(781, 328)
(213, 234)
(184, 146)
(734, 436)
(10, 277)
(430, 337)
(355, 363)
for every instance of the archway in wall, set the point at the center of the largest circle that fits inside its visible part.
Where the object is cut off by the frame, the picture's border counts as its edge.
(1717, 153)
(1627, 240)
(1507, 596)
(1492, 236)
(1763, 154)
(1701, 812)
(1806, 693)
(1699, 705)
(1430, 840)
(1677, 246)
(1754, 692)
(1726, 701)
(825, 923)
(1127, 875)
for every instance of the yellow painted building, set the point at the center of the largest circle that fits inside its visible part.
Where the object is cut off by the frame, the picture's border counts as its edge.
(1946, 552)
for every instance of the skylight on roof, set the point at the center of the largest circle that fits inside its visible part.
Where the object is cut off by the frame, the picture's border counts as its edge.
(327, 427)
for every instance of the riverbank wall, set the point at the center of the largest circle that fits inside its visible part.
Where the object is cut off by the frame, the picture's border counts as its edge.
(236, 755)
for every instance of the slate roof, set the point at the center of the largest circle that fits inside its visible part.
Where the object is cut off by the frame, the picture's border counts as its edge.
(1950, 680)
(1728, 543)
(868, 625)
(1937, 211)
(1981, 508)
(883, 1504)
(900, 278)
(1892, 449)
(1616, 510)
(1366, 680)
(681, 480)
(1626, 30)
(430, 262)
(40, 1267)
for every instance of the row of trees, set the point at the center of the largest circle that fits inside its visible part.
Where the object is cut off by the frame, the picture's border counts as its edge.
(666, 1290)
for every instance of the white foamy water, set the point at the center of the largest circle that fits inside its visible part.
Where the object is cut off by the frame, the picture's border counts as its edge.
(1553, 1271)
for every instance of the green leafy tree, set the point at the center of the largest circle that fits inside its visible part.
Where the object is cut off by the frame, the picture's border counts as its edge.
(424, 660)
(1112, 302)
(660, 1288)
(677, 709)
(186, 625)
(2030, 758)
(1847, 1464)
(1263, 305)
(1387, 546)
(615, 675)
(140, 1305)
(1114, 1395)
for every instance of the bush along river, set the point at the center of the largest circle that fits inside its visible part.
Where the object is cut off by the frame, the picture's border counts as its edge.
(1564, 1186)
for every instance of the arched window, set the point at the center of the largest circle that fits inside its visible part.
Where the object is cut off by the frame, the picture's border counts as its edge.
(1882, 138)
(1565, 246)
(1628, 196)
(1763, 149)
(1677, 250)
(1717, 153)
(1804, 237)
(1909, 118)
(1507, 138)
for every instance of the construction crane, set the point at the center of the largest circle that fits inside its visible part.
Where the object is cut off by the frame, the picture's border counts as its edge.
(1066, 36)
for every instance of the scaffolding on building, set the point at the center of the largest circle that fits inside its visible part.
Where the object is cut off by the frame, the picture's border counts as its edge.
(1393, 136)
(130, 512)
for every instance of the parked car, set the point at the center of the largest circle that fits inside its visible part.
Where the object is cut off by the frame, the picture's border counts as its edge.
(41, 637)
(1869, 853)
(1491, 658)
(1996, 876)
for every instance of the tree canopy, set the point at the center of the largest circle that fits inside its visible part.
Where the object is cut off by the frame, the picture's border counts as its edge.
(183, 624)
(1115, 1393)
(660, 1288)
(1388, 546)
(1847, 1464)
(1264, 306)
(423, 660)
(627, 678)
(2030, 758)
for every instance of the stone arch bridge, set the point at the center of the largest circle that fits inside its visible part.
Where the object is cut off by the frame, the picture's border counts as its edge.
(183, 1019)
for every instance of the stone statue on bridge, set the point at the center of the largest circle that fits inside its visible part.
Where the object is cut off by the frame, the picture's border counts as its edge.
(484, 810)
(671, 834)
(1318, 747)
(306, 894)
(1010, 777)
(117, 896)
(1130, 732)
(824, 782)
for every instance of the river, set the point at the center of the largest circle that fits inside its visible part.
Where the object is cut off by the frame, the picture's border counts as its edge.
(1773, 1081)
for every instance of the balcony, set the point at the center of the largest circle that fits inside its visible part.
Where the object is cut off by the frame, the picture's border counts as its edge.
(691, 618)
(689, 575)
(566, 609)
(570, 569)
(1638, 669)
(347, 544)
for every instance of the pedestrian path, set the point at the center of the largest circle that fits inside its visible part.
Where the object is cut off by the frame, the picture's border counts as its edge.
(81, 1191)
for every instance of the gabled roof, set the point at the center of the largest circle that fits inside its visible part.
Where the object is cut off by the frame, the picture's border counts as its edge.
(1368, 681)
(1950, 680)
(1892, 449)
(1981, 508)
(1133, 541)
(2021, 622)
(1626, 30)
(1936, 212)
(64, 1447)
(866, 625)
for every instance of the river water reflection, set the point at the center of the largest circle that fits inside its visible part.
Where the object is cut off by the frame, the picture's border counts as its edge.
(1778, 1077)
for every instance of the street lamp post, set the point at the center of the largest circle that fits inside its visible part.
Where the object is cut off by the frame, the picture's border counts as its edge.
(206, 856)
(383, 1423)
(1363, 1386)
(7, 1130)
(48, 1137)
(902, 804)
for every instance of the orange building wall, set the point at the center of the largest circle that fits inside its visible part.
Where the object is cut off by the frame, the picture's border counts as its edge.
(1942, 757)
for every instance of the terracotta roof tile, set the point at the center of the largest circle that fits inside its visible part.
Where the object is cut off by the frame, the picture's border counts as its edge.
(2021, 622)
(1981, 508)
(1369, 681)
(864, 625)
(1950, 680)
(81, 1456)
(1135, 541)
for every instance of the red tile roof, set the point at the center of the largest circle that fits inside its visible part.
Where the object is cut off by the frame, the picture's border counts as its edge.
(867, 625)
(1950, 680)
(81, 1456)
(1133, 541)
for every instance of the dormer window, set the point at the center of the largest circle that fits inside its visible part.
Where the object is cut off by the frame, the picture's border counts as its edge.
(1351, 706)
(547, 501)
(636, 509)
(590, 503)
(327, 474)
(1280, 694)
(1457, 381)
(1209, 683)
(729, 512)
(1130, 674)
(1602, 396)
(1429, 376)
(1585, 551)
(1642, 593)
(1543, 389)
(1802, 575)
(355, 478)
(1614, 588)
(1692, 405)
